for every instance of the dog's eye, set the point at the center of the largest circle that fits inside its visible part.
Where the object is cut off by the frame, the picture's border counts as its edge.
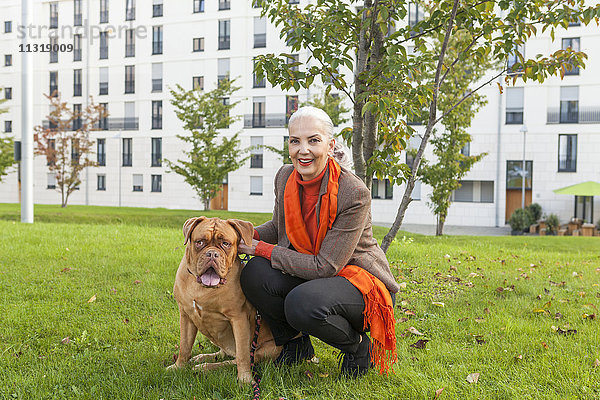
(226, 244)
(199, 244)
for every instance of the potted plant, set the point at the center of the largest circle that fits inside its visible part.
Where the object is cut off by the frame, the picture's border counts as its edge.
(552, 224)
(518, 221)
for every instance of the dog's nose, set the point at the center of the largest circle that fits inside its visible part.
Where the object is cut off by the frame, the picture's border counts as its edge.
(212, 254)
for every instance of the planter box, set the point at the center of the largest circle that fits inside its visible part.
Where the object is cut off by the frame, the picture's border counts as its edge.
(562, 232)
(587, 230)
(576, 232)
(533, 228)
(543, 232)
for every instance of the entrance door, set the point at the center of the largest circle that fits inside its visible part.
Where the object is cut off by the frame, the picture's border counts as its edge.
(219, 202)
(584, 208)
(514, 176)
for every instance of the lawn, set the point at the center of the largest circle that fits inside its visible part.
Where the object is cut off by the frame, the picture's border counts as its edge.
(88, 313)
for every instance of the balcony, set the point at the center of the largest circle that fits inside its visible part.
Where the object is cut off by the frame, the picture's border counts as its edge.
(264, 121)
(109, 124)
(585, 115)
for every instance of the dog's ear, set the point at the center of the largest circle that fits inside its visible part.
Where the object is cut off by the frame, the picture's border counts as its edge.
(244, 228)
(189, 226)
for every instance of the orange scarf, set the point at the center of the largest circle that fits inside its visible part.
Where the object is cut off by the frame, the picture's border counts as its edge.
(379, 312)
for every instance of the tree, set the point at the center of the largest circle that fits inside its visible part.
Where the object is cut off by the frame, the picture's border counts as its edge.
(452, 165)
(209, 161)
(389, 84)
(66, 143)
(6, 150)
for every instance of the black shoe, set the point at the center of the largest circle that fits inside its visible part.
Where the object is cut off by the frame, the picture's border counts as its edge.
(295, 351)
(357, 364)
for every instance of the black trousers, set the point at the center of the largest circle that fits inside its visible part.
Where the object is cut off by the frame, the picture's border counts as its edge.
(330, 309)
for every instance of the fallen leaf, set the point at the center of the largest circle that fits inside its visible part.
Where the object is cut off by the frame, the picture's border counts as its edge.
(562, 331)
(438, 303)
(402, 285)
(401, 320)
(596, 363)
(479, 320)
(408, 312)
(519, 357)
(486, 310)
(447, 256)
(590, 305)
(479, 339)
(545, 345)
(581, 294)
(437, 393)
(113, 290)
(314, 360)
(66, 269)
(473, 378)
(559, 284)
(92, 299)
(547, 305)
(452, 268)
(414, 331)
(137, 281)
(473, 275)
(463, 319)
(588, 316)
(323, 375)
(546, 291)
(420, 344)
(557, 315)
(308, 374)
(126, 321)
(575, 273)
(539, 296)
(499, 289)
(66, 340)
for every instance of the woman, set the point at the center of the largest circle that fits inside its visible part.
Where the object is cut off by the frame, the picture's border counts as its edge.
(317, 269)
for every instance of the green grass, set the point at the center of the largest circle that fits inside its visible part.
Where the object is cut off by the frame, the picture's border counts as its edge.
(120, 343)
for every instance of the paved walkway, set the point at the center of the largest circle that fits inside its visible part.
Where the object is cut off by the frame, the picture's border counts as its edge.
(452, 229)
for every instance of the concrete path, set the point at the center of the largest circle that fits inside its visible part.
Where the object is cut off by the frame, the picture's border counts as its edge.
(452, 229)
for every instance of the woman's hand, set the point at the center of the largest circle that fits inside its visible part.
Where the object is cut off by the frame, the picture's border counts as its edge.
(244, 249)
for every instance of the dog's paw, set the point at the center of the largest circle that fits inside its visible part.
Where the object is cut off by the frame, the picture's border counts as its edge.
(245, 379)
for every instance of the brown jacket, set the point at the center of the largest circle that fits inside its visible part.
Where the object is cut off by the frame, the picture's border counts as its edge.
(349, 241)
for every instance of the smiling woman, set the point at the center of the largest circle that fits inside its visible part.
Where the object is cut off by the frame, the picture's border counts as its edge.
(318, 271)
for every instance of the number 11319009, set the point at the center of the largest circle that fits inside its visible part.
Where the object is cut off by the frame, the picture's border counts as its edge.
(45, 48)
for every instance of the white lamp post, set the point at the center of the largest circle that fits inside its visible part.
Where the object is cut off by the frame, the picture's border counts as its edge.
(26, 118)
(524, 170)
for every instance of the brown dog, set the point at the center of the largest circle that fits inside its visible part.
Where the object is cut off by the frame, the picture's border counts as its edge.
(207, 290)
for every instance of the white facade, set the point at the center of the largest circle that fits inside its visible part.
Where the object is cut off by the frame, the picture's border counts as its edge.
(251, 189)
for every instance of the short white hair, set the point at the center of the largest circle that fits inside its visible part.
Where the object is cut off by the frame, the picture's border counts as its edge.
(340, 154)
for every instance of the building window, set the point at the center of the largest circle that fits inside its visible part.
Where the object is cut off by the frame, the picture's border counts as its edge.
(514, 174)
(198, 44)
(157, 8)
(51, 157)
(258, 112)
(76, 82)
(293, 61)
(222, 69)
(260, 32)
(567, 153)
(256, 186)
(101, 152)
(51, 180)
(54, 15)
(7, 26)
(103, 80)
(103, 45)
(157, 40)
(53, 83)
(514, 106)
(103, 11)
(75, 151)
(378, 187)
(474, 192)
(101, 182)
(515, 57)
(77, 17)
(466, 149)
(157, 114)
(573, 44)
(129, 43)
(103, 122)
(569, 104)
(138, 182)
(156, 183)
(77, 47)
(156, 152)
(256, 82)
(389, 190)
(198, 83)
(256, 152)
(291, 105)
(130, 79)
(7, 126)
(130, 122)
(8, 93)
(127, 159)
(198, 6)
(224, 34)
(77, 121)
(130, 10)
(7, 60)
(224, 5)
(157, 77)
(53, 50)
(415, 13)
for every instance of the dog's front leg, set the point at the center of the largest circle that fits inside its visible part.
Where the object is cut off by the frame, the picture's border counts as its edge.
(188, 332)
(242, 332)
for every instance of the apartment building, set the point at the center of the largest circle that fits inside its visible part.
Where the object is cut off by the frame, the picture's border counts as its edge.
(127, 54)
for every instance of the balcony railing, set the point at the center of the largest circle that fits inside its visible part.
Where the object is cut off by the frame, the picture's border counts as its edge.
(264, 121)
(110, 124)
(586, 115)
(224, 43)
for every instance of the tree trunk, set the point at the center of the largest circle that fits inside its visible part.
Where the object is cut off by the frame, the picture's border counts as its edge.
(410, 184)
(440, 225)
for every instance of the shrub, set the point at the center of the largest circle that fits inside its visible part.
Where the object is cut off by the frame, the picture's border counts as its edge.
(552, 223)
(536, 211)
(519, 220)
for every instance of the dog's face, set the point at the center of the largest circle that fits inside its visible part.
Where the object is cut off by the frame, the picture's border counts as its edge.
(212, 247)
